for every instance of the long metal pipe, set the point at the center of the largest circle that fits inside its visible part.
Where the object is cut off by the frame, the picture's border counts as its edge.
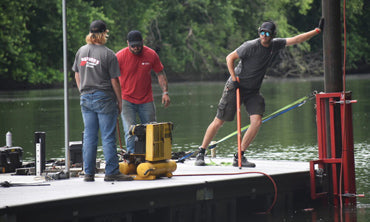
(66, 107)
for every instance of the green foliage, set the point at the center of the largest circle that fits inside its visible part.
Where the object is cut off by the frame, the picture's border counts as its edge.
(358, 46)
(192, 37)
(198, 35)
(15, 54)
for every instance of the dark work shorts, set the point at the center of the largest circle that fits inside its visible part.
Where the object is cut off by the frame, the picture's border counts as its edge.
(253, 102)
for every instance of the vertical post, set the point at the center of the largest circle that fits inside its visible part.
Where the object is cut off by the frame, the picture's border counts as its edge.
(332, 46)
(349, 178)
(66, 110)
(332, 80)
(238, 117)
(40, 138)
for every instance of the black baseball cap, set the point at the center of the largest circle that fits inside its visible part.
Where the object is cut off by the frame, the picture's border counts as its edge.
(134, 38)
(268, 26)
(98, 26)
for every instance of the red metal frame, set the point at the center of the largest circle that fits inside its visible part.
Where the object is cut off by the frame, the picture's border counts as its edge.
(344, 181)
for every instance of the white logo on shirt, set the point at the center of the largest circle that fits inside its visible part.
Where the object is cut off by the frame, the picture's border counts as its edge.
(89, 62)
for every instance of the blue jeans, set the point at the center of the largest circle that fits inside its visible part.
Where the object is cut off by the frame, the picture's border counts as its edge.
(99, 110)
(146, 114)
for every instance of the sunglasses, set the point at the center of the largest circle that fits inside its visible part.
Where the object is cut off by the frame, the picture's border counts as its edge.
(265, 33)
(136, 45)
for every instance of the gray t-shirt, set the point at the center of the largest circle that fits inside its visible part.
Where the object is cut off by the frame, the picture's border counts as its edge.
(254, 60)
(97, 65)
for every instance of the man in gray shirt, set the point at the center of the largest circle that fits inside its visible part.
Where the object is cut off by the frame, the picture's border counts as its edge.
(254, 58)
(96, 73)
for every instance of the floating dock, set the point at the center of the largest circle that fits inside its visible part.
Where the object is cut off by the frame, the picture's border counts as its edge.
(216, 192)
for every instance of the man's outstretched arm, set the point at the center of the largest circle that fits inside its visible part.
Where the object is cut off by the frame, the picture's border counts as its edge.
(306, 36)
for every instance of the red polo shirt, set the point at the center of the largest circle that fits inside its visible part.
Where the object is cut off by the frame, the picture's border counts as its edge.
(135, 79)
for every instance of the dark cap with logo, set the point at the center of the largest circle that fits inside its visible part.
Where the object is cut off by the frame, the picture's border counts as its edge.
(98, 26)
(134, 38)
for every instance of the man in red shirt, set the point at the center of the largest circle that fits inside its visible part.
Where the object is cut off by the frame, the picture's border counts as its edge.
(136, 62)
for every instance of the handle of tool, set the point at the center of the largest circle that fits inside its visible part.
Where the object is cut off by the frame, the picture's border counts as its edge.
(238, 120)
(119, 135)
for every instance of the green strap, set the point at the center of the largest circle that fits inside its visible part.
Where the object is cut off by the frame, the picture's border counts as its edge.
(286, 108)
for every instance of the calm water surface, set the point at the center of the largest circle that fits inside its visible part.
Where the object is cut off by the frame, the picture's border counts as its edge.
(291, 136)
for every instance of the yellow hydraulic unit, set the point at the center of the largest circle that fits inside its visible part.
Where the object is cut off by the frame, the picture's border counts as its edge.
(152, 158)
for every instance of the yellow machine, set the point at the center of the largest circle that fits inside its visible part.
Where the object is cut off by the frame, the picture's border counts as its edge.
(152, 158)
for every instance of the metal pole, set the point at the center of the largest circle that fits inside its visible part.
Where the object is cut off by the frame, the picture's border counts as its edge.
(66, 109)
(238, 117)
(332, 46)
(333, 63)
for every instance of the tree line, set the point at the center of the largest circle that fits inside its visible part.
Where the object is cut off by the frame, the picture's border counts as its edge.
(192, 37)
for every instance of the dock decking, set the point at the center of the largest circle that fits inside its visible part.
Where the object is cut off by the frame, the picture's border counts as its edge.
(211, 193)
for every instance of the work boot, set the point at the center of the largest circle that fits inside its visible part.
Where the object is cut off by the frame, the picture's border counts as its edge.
(200, 158)
(89, 178)
(118, 177)
(245, 162)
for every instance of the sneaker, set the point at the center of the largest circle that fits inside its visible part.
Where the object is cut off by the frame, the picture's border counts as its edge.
(200, 160)
(118, 177)
(245, 162)
(89, 178)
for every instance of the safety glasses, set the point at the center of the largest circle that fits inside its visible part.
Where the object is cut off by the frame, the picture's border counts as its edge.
(136, 45)
(265, 33)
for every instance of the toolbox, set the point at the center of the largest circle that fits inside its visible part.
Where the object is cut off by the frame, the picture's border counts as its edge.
(75, 149)
(10, 159)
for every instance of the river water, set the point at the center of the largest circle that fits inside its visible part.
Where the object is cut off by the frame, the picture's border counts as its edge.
(291, 136)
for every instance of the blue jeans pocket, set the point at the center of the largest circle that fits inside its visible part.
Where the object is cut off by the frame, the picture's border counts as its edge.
(104, 102)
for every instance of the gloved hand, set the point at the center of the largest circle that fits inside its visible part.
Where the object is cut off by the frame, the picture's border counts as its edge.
(321, 24)
(236, 84)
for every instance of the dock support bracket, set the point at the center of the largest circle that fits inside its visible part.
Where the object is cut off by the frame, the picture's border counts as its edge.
(336, 150)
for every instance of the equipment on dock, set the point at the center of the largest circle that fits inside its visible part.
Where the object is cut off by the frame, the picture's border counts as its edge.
(151, 170)
(152, 156)
(10, 184)
(10, 157)
(75, 150)
(40, 147)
